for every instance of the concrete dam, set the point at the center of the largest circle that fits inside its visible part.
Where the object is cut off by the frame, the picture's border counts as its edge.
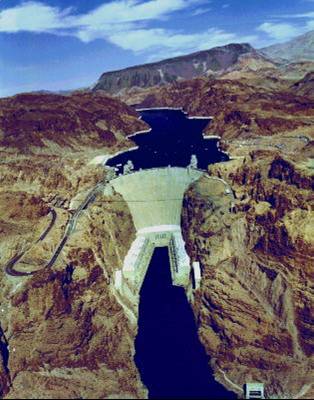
(154, 198)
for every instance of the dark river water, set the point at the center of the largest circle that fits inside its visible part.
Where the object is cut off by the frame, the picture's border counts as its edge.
(173, 139)
(171, 360)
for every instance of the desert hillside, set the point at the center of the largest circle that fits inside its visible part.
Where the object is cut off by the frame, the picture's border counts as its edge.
(64, 330)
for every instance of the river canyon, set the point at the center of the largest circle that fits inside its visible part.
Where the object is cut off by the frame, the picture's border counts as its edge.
(76, 329)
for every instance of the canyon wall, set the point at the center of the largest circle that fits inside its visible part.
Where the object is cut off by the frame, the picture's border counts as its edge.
(254, 308)
(63, 331)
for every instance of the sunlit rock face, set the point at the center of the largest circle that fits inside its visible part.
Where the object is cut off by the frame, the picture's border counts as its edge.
(241, 108)
(254, 304)
(202, 63)
(63, 332)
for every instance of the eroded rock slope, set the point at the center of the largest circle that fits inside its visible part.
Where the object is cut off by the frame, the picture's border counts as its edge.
(255, 305)
(64, 333)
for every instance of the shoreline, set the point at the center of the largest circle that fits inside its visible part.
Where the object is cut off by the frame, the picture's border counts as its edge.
(208, 137)
(118, 153)
(209, 117)
(161, 108)
(105, 159)
(139, 132)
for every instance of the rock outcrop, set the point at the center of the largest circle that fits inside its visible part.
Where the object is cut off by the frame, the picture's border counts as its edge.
(64, 332)
(202, 63)
(255, 307)
(68, 335)
(305, 87)
(239, 110)
(51, 123)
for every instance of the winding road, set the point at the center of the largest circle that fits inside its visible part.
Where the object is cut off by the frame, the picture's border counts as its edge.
(9, 267)
(71, 225)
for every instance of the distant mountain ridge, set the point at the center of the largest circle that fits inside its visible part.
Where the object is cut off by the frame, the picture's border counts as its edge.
(298, 49)
(202, 63)
(234, 58)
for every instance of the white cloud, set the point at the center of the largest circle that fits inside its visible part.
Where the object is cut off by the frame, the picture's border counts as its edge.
(125, 23)
(134, 10)
(33, 17)
(309, 14)
(161, 43)
(281, 31)
(200, 11)
(285, 31)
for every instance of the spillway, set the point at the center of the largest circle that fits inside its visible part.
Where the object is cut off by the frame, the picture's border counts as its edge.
(154, 198)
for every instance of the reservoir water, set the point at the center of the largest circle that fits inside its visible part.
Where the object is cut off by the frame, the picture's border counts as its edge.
(173, 139)
(171, 360)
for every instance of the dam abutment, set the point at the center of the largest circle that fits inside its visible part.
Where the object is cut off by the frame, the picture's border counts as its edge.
(154, 198)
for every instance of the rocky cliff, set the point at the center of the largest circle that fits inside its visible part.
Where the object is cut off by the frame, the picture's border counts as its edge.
(202, 63)
(255, 306)
(239, 109)
(63, 331)
(305, 87)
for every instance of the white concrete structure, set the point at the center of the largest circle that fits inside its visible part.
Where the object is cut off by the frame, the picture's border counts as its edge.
(128, 167)
(154, 198)
(197, 274)
(201, 117)
(193, 162)
(254, 390)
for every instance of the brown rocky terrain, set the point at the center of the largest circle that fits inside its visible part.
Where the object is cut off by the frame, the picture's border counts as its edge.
(46, 123)
(261, 73)
(305, 87)
(202, 63)
(255, 305)
(64, 331)
(240, 110)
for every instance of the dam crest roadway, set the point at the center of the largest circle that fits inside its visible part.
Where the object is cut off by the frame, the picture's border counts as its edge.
(168, 158)
(154, 197)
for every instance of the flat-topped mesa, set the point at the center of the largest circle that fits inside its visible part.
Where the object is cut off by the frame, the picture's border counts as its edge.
(155, 198)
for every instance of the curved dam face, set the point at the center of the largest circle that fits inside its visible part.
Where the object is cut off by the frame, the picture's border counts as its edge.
(155, 200)
(155, 196)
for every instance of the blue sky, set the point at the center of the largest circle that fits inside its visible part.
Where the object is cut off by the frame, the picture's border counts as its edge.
(60, 44)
